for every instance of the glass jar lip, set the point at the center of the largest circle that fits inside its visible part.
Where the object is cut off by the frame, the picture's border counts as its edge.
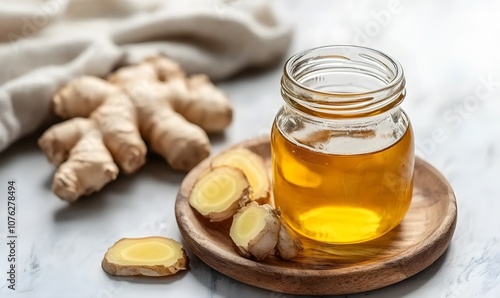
(398, 75)
(371, 62)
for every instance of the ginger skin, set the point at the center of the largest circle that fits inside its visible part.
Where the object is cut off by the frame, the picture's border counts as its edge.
(258, 231)
(154, 101)
(289, 245)
(254, 231)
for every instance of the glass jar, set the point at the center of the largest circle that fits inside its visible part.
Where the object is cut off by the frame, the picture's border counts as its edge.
(342, 147)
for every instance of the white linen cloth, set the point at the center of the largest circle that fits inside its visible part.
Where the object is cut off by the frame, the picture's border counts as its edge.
(46, 43)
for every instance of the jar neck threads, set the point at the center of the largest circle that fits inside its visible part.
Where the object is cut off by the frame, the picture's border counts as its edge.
(342, 82)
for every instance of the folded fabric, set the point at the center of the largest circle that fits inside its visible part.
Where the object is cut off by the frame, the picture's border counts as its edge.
(46, 43)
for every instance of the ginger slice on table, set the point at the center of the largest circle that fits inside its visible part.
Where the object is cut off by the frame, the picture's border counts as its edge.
(252, 165)
(150, 256)
(219, 193)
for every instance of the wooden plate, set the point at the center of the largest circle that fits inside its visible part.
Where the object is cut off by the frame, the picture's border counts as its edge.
(416, 243)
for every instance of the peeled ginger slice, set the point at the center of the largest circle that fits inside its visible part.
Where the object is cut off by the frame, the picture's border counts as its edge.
(253, 167)
(219, 193)
(150, 256)
(255, 231)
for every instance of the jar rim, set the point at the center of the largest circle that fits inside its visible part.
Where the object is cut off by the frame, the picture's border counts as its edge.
(371, 101)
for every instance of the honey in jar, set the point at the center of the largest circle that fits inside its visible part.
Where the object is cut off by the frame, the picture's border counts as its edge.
(342, 147)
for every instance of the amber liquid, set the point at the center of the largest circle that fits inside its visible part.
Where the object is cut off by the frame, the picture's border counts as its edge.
(341, 198)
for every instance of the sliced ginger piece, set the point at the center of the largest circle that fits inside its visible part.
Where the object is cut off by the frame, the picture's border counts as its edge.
(150, 256)
(252, 165)
(289, 245)
(255, 231)
(220, 192)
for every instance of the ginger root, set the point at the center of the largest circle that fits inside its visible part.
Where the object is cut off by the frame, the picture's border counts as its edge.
(154, 101)
(258, 231)
(289, 245)
(219, 193)
(255, 231)
(150, 256)
(252, 165)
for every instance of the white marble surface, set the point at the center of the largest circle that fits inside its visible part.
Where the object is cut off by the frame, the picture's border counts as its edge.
(449, 50)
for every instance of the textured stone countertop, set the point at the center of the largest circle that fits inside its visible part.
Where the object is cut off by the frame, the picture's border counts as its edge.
(450, 53)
